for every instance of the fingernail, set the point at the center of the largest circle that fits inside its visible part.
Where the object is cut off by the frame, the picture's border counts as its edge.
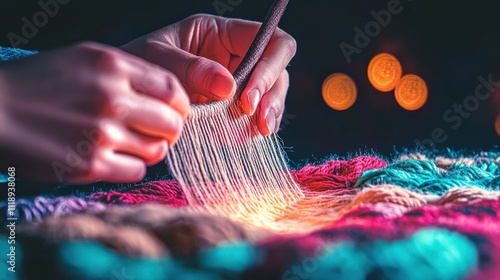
(271, 121)
(253, 100)
(222, 86)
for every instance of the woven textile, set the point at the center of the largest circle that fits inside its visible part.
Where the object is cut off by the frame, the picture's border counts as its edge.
(411, 217)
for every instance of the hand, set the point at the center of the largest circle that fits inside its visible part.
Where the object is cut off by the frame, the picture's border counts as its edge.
(204, 50)
(87, 112)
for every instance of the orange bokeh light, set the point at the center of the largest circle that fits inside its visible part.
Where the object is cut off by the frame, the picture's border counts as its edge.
(384, 72)
(411, 92)
(339, 91)
(497, 125)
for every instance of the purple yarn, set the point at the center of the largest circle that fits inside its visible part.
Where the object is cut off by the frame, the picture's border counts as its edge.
(33, 210)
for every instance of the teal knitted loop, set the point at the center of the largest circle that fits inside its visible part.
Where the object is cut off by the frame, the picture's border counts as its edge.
(423, 176)
(433, 253)
(7, 54)
(428, 254)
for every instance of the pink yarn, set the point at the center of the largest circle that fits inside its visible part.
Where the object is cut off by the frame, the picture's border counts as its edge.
(163, 192)
(333, 174)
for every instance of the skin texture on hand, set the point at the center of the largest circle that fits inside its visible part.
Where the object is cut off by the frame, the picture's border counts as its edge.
(203, 51)
(88, 112)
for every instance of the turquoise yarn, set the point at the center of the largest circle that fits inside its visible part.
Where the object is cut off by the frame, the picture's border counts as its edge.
(428, 254)
(89, 260)
(235, 258)
(423, 176)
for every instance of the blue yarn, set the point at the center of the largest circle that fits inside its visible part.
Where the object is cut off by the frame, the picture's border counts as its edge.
(230, 258)
(33, 210)
(12, 53)
(428, 254)
(424, 176)
(89, 260)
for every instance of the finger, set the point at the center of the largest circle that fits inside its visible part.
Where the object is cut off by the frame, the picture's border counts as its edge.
(150, 117)
(272, 106)
(154, 81)
(117, 167)
(197, 98)
(199, 74)
(125, 141)
(274, 60)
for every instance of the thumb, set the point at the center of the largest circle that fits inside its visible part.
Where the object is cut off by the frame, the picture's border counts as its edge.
(198, 74)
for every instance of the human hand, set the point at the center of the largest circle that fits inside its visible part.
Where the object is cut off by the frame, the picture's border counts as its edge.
(88, 112)
(203, 51)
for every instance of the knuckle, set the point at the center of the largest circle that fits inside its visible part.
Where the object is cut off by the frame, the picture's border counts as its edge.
(159, 152)
(285, 77)
(177, 128)
(268, 79)
(107, 128)
(102, 93)
(197, 17)
(88, 46)
(291, 45)
(138, 172)
(101, 58)
(176, 93)
(193, 67)
(172, 83)
(289, 41)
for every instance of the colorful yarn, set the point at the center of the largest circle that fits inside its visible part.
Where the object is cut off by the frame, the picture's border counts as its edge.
(329, 175)
(435, 215)
(335, 173)
(163, 192)
(33, 210)
(143, 231)
(423, 176)
(433, 253)
(428, 254)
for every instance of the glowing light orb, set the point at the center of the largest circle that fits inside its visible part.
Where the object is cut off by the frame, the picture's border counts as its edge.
(384, 72)
(411, 92)
(339, 91)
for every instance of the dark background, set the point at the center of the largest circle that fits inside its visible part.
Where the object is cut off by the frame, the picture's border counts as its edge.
(448, 43)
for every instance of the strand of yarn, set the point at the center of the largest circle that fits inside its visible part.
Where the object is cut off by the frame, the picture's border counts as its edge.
(222, 162)
(163, 192)
(33, 210)
(184, 232)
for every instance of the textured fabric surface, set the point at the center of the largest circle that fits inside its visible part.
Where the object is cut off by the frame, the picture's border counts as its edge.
(13, 53)
(412, 217)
